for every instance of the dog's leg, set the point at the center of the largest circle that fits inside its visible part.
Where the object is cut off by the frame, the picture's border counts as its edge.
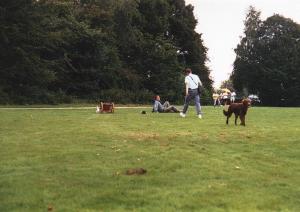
(228, 116)
(242, 117)
(236, 117)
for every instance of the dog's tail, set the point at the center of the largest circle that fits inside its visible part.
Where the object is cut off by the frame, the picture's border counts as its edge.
(225, 113)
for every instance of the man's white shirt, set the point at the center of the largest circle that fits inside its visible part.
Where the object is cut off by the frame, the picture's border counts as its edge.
(192, 80)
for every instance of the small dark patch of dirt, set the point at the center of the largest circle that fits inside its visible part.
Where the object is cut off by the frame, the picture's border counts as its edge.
(50, 208)
(136, 171)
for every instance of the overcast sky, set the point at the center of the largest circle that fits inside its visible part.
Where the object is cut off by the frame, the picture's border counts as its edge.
(221, 23)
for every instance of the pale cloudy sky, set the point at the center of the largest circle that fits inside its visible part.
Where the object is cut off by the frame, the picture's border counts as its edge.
(221, 23)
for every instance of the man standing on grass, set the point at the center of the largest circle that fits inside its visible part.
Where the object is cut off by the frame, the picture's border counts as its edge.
(192, 81)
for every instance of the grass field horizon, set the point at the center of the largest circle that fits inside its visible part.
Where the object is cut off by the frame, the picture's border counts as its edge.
(75, 160)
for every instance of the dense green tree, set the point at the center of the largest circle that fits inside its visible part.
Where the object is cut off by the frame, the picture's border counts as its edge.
(246, 69)
(156, 48)
(267, 61)
(24, 74)
(279, 47)
(189, 42)
(125, 51)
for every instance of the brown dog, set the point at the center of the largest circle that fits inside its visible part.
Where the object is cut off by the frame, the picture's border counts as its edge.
(239, 110)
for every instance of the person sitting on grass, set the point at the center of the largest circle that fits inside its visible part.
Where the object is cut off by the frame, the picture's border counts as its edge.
(165, 108)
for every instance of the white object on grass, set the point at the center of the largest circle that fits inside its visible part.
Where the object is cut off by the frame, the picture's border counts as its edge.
(97, 109)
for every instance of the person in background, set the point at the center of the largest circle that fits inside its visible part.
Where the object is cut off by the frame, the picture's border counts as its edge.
(225, 100)
(232, 97)
(192, 81)
(216, 99)
(163, 108)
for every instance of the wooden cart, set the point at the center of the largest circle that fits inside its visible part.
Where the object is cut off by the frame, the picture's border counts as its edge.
(107, 107)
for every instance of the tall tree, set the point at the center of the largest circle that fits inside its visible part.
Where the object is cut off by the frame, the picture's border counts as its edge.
(191, 50)
(246, 68)
(267, 60)
(25, 75)
(152, 36)
(279, 47)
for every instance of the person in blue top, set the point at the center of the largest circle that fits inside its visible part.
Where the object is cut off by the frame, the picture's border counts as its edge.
(163, 108)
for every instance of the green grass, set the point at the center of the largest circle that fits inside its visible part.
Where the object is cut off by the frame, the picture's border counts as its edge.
(74, 160)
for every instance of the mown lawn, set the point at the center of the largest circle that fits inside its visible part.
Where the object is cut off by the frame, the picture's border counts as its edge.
(75, 160)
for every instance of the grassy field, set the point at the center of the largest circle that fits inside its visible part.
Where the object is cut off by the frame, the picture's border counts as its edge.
(75, 160)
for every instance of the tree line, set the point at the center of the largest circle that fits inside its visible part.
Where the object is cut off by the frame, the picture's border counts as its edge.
(268, 60)
(55, 51)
